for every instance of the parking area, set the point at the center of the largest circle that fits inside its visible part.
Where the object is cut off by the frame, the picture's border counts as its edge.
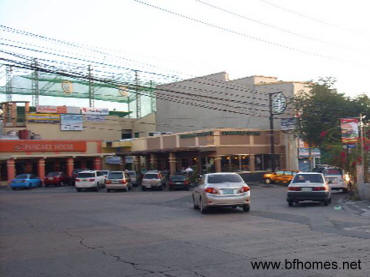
(55, 231)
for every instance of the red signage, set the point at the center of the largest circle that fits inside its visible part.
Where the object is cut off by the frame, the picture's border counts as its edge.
(42, 146)
(349, 128)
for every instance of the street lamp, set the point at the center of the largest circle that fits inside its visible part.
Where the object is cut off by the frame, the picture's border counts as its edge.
(277, 105)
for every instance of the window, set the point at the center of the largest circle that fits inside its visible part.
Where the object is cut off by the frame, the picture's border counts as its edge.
(223, 178)
(151, 176)
(312, 178)
(85, 175)
(115, 175)
(137, 134)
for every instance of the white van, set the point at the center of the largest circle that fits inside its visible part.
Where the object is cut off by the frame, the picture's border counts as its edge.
(89, 179)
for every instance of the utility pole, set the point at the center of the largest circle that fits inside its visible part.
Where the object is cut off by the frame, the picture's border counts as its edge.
(272, 141)
(9, 83)
(362, 170)
(91, 88)
(35, 85)
(138, 98)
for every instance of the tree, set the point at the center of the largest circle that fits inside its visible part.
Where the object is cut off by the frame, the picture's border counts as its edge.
(319, 112)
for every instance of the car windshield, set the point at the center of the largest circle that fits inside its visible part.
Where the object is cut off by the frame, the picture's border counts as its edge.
(115, 175)
(22, 176)
(151, 176)
(85, 175)
(223, 178)
(178, 178)
(312, 178)
(105, 172)
(53, 174)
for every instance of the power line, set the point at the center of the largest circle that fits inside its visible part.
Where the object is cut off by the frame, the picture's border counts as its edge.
(245, 35)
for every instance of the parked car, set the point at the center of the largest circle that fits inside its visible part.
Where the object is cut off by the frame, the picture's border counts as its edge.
(280, 176)
(57, 178)
(89, 179)
(133, 176)
(221, 189)
(308, 186)
(25, 181)
(118, 180)
(152, 179)
(103, 173)
(75, 173)
(337, 182)
(178, 181)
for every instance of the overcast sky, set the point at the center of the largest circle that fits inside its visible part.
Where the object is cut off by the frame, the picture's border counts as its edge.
(292, 40)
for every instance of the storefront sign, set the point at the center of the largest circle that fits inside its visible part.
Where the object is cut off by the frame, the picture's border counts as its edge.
(204, 134)
(349, 128)
(71, 122)
(51, 109)
(304, 152)
(240, 133)
(73, 110)
(113, 160)
(95, 111)
(42, 146)
(43, 118)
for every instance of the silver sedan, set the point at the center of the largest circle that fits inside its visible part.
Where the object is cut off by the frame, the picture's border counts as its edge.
(221, 189)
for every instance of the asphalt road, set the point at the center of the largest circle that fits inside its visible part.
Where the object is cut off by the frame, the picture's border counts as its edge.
(59, 232)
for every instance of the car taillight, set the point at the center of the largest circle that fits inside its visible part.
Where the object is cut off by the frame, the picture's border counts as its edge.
(91, 180)
(186, 182)
(324, 188)
(77, 180)
(211, 190)
(170, 183)
(108, 182)
(123, 181)
(294, 188)
(244, 189)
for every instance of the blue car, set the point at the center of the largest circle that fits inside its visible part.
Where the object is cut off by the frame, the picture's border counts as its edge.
(25, 181)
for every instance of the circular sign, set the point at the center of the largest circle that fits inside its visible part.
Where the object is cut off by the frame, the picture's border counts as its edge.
(67, 87)
(279, 103)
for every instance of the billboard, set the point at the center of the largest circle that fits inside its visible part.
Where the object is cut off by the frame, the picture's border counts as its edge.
(42, 146)
(43, 118)
(71, 122)
(349, 128)
(94, 118)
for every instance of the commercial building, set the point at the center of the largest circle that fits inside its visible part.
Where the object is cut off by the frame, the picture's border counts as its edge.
(214, 150)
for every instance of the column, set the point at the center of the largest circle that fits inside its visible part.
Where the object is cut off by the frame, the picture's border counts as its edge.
(153, 161)
(147, 162)
(137, 165)
(123, 159)
(199, 164)
(41, 169)
(70, 165)
(97, 163)
(14, 114)
(172, 162)
(252, 162)
(218, 163)
(10, 169)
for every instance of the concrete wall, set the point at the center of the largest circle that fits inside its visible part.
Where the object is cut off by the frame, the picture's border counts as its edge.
(184, 116)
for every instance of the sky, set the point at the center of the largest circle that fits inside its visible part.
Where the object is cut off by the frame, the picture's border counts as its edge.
(292, 40)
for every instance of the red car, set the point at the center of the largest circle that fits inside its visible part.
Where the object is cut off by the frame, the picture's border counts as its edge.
(57, 178)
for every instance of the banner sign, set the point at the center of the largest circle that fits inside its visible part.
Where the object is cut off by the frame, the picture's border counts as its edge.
(43, 118)
(73, 110)
(349, 127)
(51, 109)
(288, 123)
(94, 118)
(42, 146)
(95, 111)
(71, 122)
(304, 152)
(113, 160)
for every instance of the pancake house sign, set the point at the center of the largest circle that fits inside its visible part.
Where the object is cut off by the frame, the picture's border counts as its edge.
(42, 146)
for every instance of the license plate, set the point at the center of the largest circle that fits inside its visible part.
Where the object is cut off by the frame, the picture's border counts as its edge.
(228, 191)
(115, 182)
(178, 183)
(306, 189)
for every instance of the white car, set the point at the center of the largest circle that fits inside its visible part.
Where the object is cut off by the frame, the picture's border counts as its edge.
(337, 182)
(221, 189)
(89, 179)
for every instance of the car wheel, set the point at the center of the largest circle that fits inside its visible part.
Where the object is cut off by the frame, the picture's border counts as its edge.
(202, 208)
(345, 190)
(195, 206)
(268, 181)
(246, 208)
(78, 189)
(143, 188)
(108, 190)
(290, 203)
(326, 202)
(97, 188)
